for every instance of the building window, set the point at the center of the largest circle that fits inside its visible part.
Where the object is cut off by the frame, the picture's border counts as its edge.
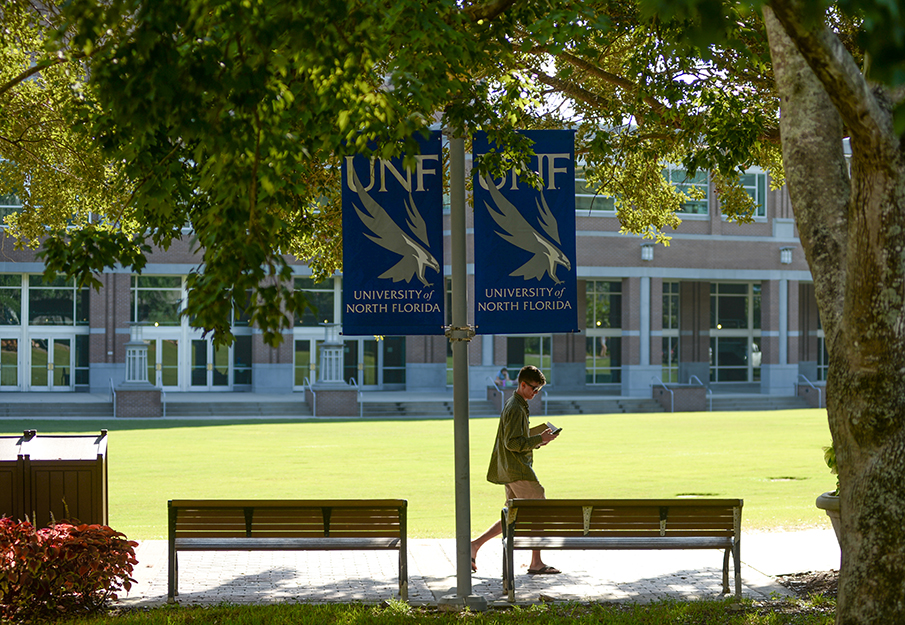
(823, 355)
(696, 188)
(530, 350)
(320, 296)
(670, 340)
(603, 324)
(56, 302)
(10, 300)
(755, 184)
(156, 300)
(823, 358)
(80, 367)
(603, 359)
(9, 204)
(241, 317)
(735, 337)
(394, 360)
(9, 363)
(242, 360)
(588, 199)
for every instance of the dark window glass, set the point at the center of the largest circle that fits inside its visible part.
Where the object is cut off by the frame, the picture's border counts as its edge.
(81, 360)
(394, 360)
(242, 360)
(50, 307)
(320, 296)
(604, 304)
(82, 306)
(10, 300)
(303, 362)
(156, 300)
(733, 312)
(9, 362)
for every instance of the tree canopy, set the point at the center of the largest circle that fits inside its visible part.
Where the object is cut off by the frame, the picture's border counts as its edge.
(130, 123)
(225, 121)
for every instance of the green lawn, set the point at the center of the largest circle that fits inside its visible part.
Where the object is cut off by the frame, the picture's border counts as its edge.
(773, 460)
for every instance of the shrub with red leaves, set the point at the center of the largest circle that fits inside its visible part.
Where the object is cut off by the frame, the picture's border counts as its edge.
(61, 570)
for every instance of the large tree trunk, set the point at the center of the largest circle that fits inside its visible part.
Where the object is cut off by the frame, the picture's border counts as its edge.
(854, 237)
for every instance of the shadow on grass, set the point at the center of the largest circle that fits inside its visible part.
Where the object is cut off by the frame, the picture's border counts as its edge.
(64, 425)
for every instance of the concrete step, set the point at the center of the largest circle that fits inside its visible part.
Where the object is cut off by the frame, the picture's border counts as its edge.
(425, 409)
(602, 406)
(238, 409)
(53, 410)
(758, 402)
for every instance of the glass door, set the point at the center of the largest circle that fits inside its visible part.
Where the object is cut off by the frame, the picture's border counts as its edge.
(375, 363)
(163, 363)
(361, 361)
(51, 362)
(9, 364)
(209, 368)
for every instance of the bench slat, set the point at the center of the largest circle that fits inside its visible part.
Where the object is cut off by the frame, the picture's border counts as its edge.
(287, 525)
(287, 503)
(626, 533)
(609, 524)
(285, 544)
(621, 543)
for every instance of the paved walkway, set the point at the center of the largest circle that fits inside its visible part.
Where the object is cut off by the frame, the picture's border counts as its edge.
(371, 577)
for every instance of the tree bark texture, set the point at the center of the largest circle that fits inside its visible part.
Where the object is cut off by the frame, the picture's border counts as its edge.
(852, 226)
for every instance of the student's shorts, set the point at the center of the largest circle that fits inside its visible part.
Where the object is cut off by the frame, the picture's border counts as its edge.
(524, 489)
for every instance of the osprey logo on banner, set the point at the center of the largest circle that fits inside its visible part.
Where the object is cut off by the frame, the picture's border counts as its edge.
(393, 244)
(525, 278)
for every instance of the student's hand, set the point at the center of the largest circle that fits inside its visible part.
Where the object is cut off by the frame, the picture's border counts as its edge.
(546, 436)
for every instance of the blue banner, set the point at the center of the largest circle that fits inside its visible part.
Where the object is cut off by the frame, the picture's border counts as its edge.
(393, 244)
(524, 241)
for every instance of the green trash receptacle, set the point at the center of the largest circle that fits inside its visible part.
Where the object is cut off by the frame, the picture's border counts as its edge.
(54, 477)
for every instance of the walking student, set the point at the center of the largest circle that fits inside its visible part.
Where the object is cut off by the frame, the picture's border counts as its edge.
(512, 459)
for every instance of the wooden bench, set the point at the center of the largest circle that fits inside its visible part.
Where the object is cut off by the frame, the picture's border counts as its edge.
(622, 524)
(287, 525)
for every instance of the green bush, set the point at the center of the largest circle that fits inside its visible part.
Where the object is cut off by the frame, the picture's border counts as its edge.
(61, 570)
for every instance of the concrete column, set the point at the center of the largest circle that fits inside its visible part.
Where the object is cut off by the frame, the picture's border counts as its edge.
(637, 371)
(777, 376)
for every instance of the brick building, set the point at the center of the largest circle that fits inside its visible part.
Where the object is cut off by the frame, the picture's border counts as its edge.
(731, 305)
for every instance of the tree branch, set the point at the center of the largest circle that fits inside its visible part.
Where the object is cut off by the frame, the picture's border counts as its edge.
(37, 69)
(850, 93)
(569, 88)
(609, 77)
(816, 172)
(488, 10)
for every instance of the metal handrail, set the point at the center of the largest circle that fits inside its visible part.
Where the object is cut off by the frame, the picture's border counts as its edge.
(113, 397)
(816, 388)
(361, 406)
(307, 384)
(709, 391)
(163, 400)
(493, 383)
(672, 394)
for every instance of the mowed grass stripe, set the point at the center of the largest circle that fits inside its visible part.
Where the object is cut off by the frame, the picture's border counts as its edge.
(772, 459)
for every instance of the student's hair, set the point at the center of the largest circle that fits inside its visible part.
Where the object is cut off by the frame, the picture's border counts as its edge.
(531, 375)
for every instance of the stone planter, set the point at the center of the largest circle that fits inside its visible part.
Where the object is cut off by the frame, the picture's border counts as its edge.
(829, 503)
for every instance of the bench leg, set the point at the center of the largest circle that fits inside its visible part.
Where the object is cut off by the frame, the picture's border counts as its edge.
(505, 570)
(403, 574)
(737, 557)
(509, 571)
(726, 572)
(172, 577)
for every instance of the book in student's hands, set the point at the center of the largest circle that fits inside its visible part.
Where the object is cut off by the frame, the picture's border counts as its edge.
(537, 429)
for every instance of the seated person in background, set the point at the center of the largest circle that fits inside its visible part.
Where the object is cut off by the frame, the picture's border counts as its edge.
(502, 378)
